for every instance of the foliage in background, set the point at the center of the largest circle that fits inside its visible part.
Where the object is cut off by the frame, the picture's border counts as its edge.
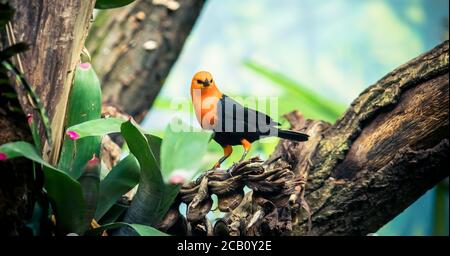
(298, 96)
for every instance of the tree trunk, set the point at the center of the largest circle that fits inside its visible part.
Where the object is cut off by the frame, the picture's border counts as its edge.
(55, 31)
(351, 178)
(134, 47)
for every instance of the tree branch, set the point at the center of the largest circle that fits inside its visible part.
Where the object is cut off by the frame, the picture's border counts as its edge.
(351, 178)
(387, 150)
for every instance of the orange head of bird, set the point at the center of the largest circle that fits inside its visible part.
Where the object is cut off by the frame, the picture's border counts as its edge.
(204, 82)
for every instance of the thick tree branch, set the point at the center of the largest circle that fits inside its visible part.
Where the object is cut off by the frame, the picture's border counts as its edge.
(134, 47)
(386, 151)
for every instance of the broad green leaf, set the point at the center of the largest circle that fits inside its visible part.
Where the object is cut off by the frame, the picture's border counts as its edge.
(141, 230)
(121, 179)
(67, 201)
(113, 214)
(85, 103)
(182, 150)
(154, 143)
(138, 145)
(305, 99)
(98, 127)
(90, 185)
(109, 4)
(153, 197)
(64, 192)
(22, 149)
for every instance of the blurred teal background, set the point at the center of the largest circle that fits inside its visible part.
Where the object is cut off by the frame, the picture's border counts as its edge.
(334, 49)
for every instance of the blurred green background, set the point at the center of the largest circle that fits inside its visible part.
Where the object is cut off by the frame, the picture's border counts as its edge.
(315, 56)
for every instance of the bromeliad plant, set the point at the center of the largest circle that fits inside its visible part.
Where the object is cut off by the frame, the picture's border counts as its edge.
(73, 198)
(83, 203)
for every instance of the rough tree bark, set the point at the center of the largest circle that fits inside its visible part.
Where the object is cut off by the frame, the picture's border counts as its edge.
(387, 150)
(352, 177)
(134, 47)
(55, 31)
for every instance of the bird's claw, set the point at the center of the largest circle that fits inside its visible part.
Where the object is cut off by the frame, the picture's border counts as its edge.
(231, 169)
(208, 172)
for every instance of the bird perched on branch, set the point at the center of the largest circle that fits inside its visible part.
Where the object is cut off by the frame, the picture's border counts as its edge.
(232, 123)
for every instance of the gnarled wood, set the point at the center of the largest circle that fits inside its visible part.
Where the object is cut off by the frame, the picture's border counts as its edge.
(386, 151)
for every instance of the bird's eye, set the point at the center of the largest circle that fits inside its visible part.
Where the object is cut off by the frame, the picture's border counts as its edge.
(200, 81)
(211, 80)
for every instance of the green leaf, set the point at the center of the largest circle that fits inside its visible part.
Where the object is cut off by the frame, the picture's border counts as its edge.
(22, 149)
(35, 133)
(154, 143)
(64, 192)
(150, 202)
(138, 144)
(310, 103)
(13, 50)
(121, 179)
(109, 4)
(98, 127)
(67, 201)
(85, 103)
(90, 184)
(114, 213)
(182, 150)
(141, 230)
(33, 96)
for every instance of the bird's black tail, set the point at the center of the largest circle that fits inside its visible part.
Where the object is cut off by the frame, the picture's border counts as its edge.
(292, 135)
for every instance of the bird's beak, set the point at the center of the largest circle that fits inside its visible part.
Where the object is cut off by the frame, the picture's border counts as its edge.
(206, 83)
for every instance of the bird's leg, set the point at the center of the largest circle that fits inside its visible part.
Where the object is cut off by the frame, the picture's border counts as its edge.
(227, 150)
(247, 145)
(243, 156)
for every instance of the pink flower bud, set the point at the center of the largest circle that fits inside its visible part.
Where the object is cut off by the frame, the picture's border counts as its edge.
(3, 156)
(73, 135)
(30, 119)
(176, 179)
(85, 65)
(93, 162)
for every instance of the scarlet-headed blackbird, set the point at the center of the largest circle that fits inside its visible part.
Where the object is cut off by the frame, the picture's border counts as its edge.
(232, 123)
